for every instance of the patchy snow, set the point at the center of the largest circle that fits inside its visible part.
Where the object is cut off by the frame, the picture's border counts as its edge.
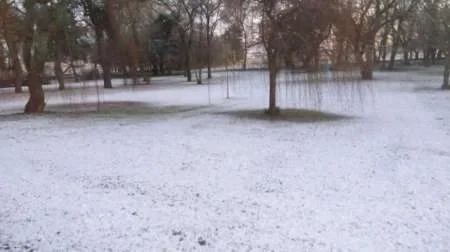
(174, 169)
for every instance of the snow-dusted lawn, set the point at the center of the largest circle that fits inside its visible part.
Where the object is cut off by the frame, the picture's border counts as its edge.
(174, 170)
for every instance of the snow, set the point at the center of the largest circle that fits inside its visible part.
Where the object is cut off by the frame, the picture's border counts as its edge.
(176, 170)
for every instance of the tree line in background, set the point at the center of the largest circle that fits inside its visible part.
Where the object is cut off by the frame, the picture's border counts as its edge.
(141, 38)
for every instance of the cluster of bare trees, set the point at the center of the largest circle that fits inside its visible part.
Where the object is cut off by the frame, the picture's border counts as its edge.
(139, 38)
(351, 32)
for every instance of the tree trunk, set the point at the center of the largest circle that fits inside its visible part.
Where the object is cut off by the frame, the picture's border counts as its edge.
(36, 101)
(18, 72)
(162, 69)
(188, 66)
(104, 59)
(383, 50)
(366, 61)
(273, 109)
(339, 51)
(245, 52)
(209, 35)
(58, 68)
(446, 84)
(427, 57)
(433, 56)
(199, 76)
(393, 54)
(440, 54)
(107, 83)
(144, 72)
(74, 71)
(405, 57)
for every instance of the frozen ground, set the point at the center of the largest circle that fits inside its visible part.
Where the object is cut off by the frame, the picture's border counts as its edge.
(169, 168)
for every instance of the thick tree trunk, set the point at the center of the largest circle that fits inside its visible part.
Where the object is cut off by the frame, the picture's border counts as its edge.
(366, 63)
(199, 76)
(244, 62)
(36, 101)
(366, 72)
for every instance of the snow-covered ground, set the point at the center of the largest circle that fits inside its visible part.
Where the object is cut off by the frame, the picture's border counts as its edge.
(177, 167)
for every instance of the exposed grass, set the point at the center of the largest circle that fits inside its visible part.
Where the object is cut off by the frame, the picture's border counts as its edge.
(287, 115)
(116, 110)
(437, 88)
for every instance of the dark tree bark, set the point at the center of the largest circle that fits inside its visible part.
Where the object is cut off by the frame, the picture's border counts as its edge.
(209, 35)
(188, 66)
(18, 72)
(36, 101)
(394, 51)
(105, 60)
(446, 84)
(101, 20)
(383, 49)
(273, 109)
(366, 62)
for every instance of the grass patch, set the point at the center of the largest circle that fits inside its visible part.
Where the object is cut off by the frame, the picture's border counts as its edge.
(287, 115)
(115, 110)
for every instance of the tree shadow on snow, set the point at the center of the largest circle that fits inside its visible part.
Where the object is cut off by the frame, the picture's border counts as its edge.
(430, 89)
(287, 115)
(112, 109)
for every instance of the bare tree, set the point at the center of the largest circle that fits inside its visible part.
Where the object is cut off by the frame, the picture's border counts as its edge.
(185, 12)
(361, 21)
(402, 14)
(242, 14)
(35, 51)
(12, 31)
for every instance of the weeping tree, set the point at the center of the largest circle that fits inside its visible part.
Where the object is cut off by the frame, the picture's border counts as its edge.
(282, 26)
(60, 26)
(401, 21)
(271, 37)
(132, 36)
(211, 10)
(241, 16)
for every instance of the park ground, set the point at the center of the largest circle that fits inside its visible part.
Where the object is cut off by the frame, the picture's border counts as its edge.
(179, 167)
